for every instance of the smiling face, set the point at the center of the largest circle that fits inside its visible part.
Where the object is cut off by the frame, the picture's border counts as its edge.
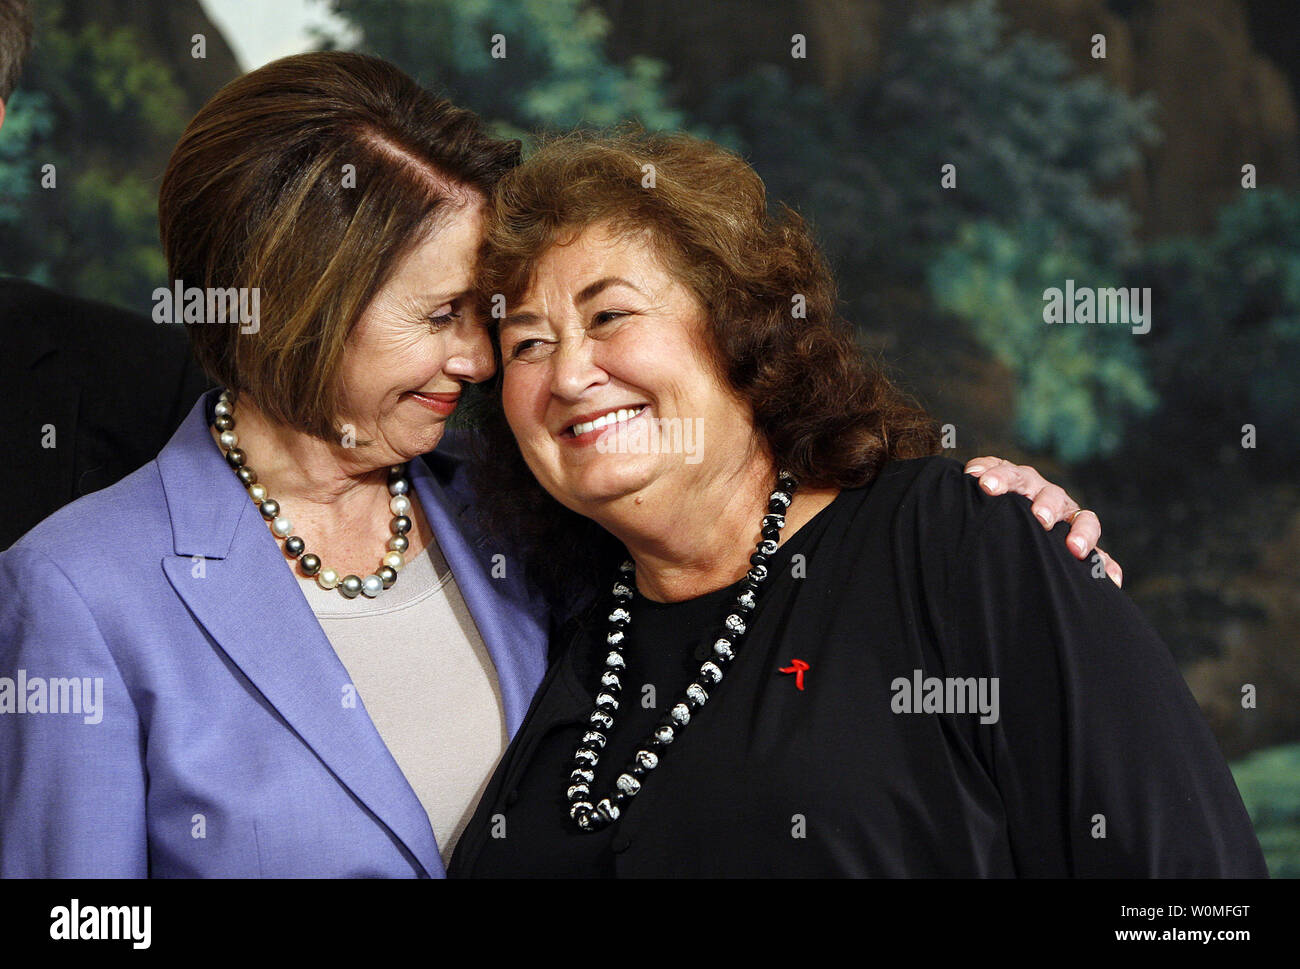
(417, 343)
(606, 340)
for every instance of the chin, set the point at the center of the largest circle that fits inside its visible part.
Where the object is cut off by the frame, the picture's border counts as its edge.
(422, 441)
(605, 481)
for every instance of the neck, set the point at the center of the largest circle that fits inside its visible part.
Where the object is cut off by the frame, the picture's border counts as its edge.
(336, 502)
(300, 468)
(687, 549)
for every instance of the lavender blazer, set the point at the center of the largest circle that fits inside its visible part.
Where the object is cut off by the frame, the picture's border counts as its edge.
(169, 705)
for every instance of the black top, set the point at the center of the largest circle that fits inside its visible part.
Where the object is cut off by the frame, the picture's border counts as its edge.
(1095, 760)
(110, 385)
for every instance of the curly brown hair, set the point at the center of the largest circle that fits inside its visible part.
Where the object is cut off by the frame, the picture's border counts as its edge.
(824, 409)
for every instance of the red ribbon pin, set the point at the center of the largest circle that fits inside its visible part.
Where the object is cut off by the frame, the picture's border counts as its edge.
(797, 666)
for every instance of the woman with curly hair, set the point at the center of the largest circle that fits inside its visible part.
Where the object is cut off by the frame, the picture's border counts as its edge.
(283, 648)
(819, 648)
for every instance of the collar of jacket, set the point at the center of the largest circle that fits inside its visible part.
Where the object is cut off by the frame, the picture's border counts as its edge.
(251, 605)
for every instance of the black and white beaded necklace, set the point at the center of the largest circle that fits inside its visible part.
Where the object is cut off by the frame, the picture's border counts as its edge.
(350, 586)
(593, 817)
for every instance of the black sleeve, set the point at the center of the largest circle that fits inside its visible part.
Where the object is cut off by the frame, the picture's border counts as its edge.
(1105, 764)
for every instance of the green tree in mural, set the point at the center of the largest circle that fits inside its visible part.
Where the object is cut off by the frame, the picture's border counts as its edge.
(1269, 781)
(1032, 148)
(1076, 385)
(1230, 351)
(554, 73)
(1025, 137)
(91, 105)
(89, 224)
(27, 122)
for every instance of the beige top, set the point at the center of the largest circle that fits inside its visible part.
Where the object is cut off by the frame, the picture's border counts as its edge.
(420, 667)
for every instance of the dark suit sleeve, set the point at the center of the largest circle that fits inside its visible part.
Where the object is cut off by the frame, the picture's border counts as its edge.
(123, 424)
(1105, 764)
(192, 384)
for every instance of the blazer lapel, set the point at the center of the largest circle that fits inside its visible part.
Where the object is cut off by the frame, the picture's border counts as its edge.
(510, 617)
(249, 602)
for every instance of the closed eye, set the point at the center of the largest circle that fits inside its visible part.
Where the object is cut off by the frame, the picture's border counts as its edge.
(454, 310)
(443, 319)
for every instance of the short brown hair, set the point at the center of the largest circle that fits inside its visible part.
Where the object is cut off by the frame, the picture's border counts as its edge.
(255, 195)
(825, 411)
(15, 43)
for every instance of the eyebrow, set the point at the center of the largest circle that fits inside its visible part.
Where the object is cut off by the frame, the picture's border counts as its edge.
(423, 302)
(441, 298)
(587, 293)
(593, 290)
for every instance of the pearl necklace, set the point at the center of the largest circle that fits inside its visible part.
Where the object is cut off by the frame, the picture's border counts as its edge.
(350, 586)
(627, 785)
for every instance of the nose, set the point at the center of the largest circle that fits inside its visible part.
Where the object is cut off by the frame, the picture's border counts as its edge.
(470, 355)
(575, 368)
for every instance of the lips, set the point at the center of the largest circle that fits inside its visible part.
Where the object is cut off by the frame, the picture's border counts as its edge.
(438, 403)
(599, 420)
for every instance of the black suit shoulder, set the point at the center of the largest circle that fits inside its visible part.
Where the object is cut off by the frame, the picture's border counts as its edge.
(104, 386)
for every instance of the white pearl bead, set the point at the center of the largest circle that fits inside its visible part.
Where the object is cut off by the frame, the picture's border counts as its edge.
(222, 408)
(327, 578)
(229, 439)
(394, 561)
(257, 492)
(282, 526)
(400, 504)
(372, 585)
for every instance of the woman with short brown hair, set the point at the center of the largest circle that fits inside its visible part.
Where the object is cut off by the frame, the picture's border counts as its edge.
(299, 658)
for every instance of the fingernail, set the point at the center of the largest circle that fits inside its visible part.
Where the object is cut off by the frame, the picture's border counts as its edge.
(975, 469)
(990, 482)
(1079, 544)
(1045, 515)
